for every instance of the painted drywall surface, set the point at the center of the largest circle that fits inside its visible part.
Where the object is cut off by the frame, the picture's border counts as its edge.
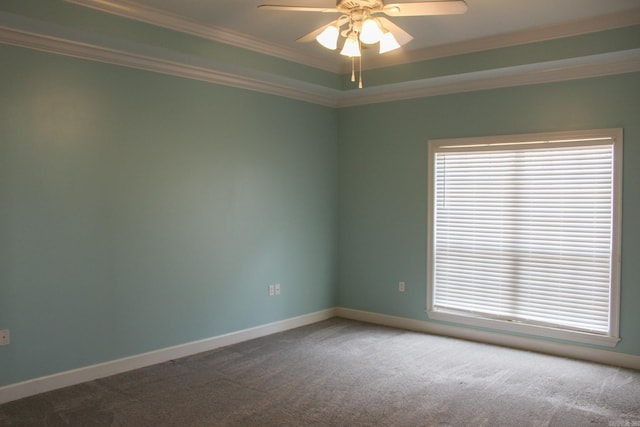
(383, 181)
(140, 211)
(74, 16)
(615, 40)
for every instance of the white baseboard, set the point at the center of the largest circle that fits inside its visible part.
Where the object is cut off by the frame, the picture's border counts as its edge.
(101, 370)
(525, 343)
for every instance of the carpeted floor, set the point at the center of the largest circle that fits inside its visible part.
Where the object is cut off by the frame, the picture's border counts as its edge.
(345, 373)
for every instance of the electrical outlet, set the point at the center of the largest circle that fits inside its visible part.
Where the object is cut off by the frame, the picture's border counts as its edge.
(401, 286)
(272, 290)
(277, 288)
(4, 337)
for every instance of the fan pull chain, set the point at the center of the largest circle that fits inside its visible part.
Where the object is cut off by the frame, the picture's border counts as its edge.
(360, 77)
(353, 68)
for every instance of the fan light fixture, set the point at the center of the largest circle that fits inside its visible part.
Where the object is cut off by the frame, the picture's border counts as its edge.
(329, 37)
(388, 42)
(371, 32)
(351, 46)
(362, 27)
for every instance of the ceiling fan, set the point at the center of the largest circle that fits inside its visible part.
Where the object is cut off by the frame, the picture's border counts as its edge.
(363, 25)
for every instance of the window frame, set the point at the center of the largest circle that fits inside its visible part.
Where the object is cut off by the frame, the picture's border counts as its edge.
(468, 319)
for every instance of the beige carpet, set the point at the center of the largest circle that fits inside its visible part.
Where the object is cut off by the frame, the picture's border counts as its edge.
(345, 373)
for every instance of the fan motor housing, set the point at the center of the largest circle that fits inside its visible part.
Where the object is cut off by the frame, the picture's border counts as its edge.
(350, 5)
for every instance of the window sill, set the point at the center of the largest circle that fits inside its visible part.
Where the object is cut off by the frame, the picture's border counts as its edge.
(521, 328)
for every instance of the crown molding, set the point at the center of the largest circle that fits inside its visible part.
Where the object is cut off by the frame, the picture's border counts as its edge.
(151, 15)
(25, 32)
(594, 24)
(136, 11)
(627, 61)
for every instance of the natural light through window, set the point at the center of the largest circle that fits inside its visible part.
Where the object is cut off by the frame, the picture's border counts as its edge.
(524, 233)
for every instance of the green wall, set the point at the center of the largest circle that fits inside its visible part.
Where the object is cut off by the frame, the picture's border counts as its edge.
(140, 211)
(383, 181)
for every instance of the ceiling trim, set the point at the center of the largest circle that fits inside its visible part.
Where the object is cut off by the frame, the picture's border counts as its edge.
(611, 21)
(151, 15)
(627, 61)
(25, 32)
(136, 11)
(19, 31)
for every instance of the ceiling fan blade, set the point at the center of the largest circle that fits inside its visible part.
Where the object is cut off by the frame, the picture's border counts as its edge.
(296, 8)
(309, 37)
(423, 8)
(402, 37)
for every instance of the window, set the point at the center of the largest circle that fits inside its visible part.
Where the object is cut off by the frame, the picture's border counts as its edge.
(524, 233)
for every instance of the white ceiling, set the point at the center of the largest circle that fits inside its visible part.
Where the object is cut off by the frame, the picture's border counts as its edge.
(484, 18)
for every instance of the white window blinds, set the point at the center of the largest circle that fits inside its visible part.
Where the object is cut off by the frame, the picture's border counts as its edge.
(523, 232)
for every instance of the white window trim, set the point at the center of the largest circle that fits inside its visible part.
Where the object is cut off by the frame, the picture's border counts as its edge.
(609, 340)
